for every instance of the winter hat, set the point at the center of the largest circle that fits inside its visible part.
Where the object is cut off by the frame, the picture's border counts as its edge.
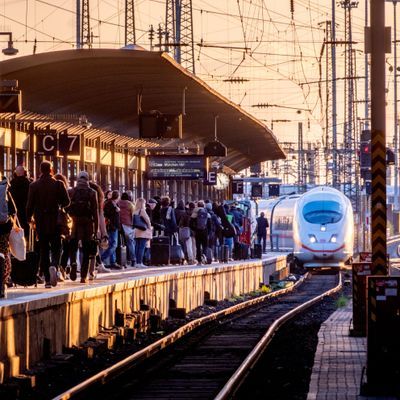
(209, 206)
(152, 201)
(83, 175)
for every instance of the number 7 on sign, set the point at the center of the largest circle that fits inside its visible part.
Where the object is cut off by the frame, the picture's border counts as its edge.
(70, 144)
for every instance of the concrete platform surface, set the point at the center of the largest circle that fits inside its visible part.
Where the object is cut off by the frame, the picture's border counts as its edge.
(339, 361)
(26, 294)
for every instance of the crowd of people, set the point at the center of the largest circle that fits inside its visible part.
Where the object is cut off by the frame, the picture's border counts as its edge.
(82, 226)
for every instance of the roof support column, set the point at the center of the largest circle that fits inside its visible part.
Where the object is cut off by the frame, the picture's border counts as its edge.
(112, 170)
(126, 168)
(179, 191)
(31, 150)
(13, 150)
(82, 152)
(139, 176)
(98, 161)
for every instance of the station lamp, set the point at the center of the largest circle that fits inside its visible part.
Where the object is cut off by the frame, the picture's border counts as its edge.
(10, 50)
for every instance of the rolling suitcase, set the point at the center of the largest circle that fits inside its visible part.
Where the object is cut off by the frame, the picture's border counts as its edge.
(24, 273)
(121, 252)
(244, 251)
(176, 254)
(160, 249)
(237, 251)
(257, 250)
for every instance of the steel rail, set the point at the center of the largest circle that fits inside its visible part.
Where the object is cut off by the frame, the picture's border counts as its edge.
(162, 343)
(238, 377)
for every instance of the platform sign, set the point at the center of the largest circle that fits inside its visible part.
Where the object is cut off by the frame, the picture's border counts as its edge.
(162, 167)
(383, 333)
(211, 178)
(69, 144)
(47, 142)
(256, 190)
(360, 272)
(237, 186)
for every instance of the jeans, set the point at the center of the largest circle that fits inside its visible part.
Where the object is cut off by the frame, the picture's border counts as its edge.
(130, 242)
(112, 246)
(85, 249)
(140, 248)
(201, 243)
(49, 244)
(229, 242)
(188, 246)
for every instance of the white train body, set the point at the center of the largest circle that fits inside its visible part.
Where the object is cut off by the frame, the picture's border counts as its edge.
(318, 226)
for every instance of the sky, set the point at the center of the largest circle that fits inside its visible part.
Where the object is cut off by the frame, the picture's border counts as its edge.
(262, 54)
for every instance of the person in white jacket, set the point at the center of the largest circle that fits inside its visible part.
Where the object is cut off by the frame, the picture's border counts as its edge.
(142, 237)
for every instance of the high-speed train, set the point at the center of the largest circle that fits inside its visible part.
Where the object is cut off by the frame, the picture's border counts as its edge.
(317, 227)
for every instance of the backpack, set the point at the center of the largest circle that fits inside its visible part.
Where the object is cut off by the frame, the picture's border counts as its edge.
(80, 204)
(4, 216)
(201, 220)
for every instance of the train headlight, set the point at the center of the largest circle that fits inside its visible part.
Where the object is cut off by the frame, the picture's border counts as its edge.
(313, 239)
(323, 228)
(333, 239)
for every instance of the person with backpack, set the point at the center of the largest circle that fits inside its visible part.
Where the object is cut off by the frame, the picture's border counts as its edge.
(126, 214)
(84, 213)
(200, 221)
(19, 188)
(185, 235)
(64, 224)
(215, 227)
(7, 210)
(168, 218)
(45, 197)
(112, 216)
(101, 232)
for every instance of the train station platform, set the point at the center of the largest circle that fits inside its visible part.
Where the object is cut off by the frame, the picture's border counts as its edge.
(32, 319)
(339, 361)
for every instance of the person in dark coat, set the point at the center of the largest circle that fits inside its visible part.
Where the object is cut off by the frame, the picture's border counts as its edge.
(5, 229)
(111, 214)
(262, 225)
(19, 188)
(45, 197)
(85, 224)
(180, 211)
(168, 219)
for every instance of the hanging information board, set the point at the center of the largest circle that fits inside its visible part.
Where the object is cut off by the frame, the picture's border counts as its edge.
(176, 167)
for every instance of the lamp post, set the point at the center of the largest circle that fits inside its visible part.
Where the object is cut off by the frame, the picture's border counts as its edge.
(396, 133)
(10, 50)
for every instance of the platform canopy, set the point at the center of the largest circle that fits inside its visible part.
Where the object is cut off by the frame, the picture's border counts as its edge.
(105, 85)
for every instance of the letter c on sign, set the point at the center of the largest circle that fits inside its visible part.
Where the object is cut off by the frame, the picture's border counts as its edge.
(51, 146)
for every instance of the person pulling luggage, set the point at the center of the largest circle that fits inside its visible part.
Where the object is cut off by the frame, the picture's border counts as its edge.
(7, 209)
(200, 222)
(45, 197)
(84, 212)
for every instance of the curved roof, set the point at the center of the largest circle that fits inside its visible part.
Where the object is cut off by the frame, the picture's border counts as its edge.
(104, 85)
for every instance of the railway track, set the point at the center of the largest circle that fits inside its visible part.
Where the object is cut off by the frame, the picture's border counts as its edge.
(211, 361)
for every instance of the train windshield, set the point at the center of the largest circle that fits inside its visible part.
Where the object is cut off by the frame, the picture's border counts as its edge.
(322, 212)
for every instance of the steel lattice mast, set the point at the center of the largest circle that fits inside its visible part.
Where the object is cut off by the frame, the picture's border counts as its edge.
(179, 28)
(349, 158)
(130, 28)
(86, 38)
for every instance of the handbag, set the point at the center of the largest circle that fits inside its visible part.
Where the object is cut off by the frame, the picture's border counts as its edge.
(17, 240)
(139, 222)
(184, 233)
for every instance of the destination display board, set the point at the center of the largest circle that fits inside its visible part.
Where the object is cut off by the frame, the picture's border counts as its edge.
(176, 167)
